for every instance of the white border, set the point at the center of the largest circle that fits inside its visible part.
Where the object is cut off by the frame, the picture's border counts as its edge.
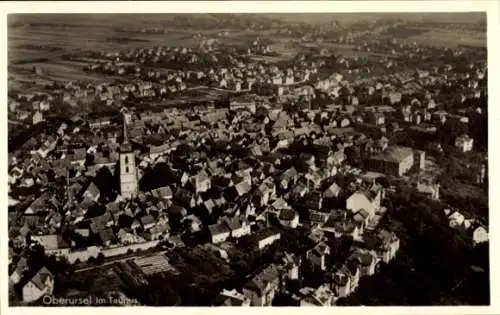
(492, 9)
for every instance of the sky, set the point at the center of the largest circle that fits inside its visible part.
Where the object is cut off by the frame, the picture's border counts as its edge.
(313, 18)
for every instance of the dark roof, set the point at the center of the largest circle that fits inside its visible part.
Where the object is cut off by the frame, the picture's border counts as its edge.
(162, 192)
(232, 223)
(219, 228)
(106, 235)
(243, 188)
(147, 220)
(265, 233)
(287, 214)
(40, 278)
(394, 154)
(176, 209)
(260, 281)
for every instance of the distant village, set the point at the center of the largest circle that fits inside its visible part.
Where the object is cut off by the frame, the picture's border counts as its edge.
(294, 148)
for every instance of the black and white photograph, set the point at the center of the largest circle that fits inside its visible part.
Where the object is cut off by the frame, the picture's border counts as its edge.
(248, 159)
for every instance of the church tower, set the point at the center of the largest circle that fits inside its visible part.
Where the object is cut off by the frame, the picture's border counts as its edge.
(128, 171)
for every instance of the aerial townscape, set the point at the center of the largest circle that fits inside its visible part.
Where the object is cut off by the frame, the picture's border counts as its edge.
(248, 159)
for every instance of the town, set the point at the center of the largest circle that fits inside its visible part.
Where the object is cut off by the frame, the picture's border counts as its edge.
(234, 174)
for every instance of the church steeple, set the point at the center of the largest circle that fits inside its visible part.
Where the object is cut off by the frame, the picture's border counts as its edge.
(126, 146)
(128, 171)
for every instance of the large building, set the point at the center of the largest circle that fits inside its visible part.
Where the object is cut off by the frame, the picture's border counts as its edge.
(395, 161)
(128, 171)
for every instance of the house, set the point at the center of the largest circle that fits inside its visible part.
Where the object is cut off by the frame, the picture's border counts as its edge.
(231, 298)
(341, 284)
(333, 191)
(20, 268)
(238, 227)
(83, 233)
(177, 211)
(42, 283)
(242, 188)
(288, 218)
(193, 223)
(157, 151)
(99, 123)
(266, 237)
(52, 243)
(456, 219)
(355, 273)
(291, 263)
(201, 182)
(367, 200)
(479, 235)
(158, 231)
(431, 190)
(262, 288)
(185, 198)
(464, 143)
(322, 296)
(343, 227)
(366, 261)
(317, 256)
(317, 218)
(388, 245)
(361, 218)
(147, 222)
(37, 117)
(101, 222)
(394, 161)
(288, 177)
(314, 200)
(92, 193)
(264, 192)
(106, 236)
(162, 193)
(219, 232)
(375, 118)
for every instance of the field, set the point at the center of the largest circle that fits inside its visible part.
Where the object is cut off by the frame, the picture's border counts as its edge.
(449, 38)
(41, 39)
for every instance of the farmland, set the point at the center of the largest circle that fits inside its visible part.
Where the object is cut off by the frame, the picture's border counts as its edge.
(36, 40)
(449, 38)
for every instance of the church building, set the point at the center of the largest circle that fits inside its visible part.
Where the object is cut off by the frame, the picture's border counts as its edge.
(128, 171)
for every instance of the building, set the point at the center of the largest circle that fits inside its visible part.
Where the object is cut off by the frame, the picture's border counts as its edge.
(464, 143)
(128, 171)
(42, 283)
(388, 245)
(341, 284)
(479, 235)
(317, 256)
(219, 232)
(322, 296)
(201, 182)
(262, 289)
(266, 237)
(37, 117)
(456, 219)
(366, 261)
(238, 227)
(420, 159)
(52, 243)
(289, 218)
(157, 151)
(231, 298)
(431, 190)
(395, 161)
(291, 263)
(367, 200)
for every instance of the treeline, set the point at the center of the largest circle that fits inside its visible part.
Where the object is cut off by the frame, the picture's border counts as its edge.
(434, 264)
